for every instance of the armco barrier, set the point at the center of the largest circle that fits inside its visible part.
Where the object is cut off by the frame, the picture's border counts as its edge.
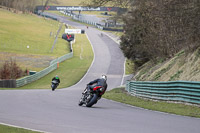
(38, 75)
(8, 83)
(182, 91)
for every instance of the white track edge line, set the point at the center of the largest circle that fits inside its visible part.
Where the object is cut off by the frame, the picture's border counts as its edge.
(90, 65)
(10, 125)
(124, 57)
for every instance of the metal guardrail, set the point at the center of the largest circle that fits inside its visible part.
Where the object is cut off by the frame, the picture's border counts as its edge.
(97, 25)
(75, 17)
(182, 91)
(87, 22)
(40, 74)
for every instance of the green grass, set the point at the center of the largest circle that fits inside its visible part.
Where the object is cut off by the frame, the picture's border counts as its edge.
(71, 70)
(176, 75)
(19, 30)
(120, 95)
(129, 67)
(9, 129)
(119, 34)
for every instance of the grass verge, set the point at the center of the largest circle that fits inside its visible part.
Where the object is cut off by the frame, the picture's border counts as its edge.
(71, 70)
(9, 129)
(28, 39)
(120, 95)
(129, 67)
(17, 31)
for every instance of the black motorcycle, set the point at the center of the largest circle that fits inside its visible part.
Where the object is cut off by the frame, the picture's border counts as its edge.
(54, 84)
(90, 97)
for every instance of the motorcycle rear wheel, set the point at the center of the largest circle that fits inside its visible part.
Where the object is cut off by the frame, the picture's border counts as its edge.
(92, 101)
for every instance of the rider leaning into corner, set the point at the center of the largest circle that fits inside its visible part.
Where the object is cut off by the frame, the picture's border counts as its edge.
(56, 78)
(98, 82)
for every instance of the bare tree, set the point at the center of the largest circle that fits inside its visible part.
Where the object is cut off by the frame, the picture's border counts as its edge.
(10, 70)
(117, 3)
(22, 5)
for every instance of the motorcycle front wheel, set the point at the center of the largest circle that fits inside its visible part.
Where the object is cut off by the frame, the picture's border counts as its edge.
(53, 86)
(92, 101)
(80, 103)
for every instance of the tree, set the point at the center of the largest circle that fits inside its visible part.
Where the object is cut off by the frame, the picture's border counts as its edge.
(159, 29)
(21, 5)
(117, 3)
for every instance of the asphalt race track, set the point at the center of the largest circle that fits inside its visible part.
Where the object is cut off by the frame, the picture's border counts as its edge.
(58, 111)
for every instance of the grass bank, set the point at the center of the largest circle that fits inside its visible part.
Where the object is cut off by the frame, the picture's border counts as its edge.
(8, 129)
(17, 31)
(120, 95)
(71, 70)
(28, 39)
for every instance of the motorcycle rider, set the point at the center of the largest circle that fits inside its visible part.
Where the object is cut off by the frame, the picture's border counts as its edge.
(56, 78)
(98, 82)
(86, 95)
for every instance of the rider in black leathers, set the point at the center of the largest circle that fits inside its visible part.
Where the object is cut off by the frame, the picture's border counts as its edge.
(56, 78)
(98, 82)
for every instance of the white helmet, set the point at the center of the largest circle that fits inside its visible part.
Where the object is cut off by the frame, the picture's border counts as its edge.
(104, 77)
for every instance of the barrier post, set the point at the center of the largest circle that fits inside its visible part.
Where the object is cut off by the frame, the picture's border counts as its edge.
(58, 64)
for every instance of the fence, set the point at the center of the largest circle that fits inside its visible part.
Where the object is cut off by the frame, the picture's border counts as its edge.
(38, 75)
(182, 91)
(85, 20)
(47, 16)
(8, 83)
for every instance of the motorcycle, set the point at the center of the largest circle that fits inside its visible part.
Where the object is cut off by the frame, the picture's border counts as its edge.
(90, 97)
(54, 84)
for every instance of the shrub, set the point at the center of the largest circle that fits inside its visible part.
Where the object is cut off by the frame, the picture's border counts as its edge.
(10, 70)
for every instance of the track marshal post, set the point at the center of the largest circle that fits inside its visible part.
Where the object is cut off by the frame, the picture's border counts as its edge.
(69, 35)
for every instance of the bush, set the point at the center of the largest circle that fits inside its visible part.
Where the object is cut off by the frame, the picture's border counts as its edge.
(10, 70)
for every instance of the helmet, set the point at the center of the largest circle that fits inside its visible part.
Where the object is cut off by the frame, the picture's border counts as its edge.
(104, 77)
(57, 77)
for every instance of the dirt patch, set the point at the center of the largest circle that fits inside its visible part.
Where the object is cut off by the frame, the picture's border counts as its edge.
(33, 62)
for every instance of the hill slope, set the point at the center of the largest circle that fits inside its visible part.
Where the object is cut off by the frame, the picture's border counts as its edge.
(27, 35)
(181, 67)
